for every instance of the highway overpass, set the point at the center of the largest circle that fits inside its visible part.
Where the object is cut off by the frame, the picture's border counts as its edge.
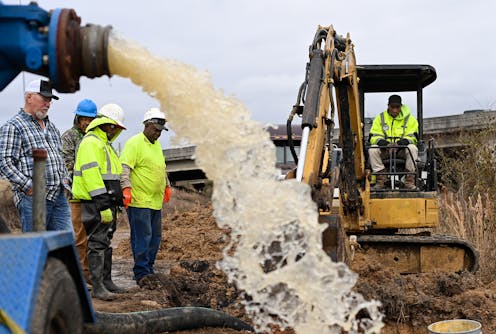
(445, 130)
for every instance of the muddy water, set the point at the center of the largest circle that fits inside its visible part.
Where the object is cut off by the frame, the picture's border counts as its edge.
(278, 259)
(122, 267)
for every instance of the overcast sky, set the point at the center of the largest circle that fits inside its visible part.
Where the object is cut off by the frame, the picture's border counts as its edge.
(257, 50)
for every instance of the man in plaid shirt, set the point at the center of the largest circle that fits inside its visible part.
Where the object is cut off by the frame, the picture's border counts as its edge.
(30, 129)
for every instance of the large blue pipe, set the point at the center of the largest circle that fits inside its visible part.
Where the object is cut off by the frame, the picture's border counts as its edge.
(52, 44)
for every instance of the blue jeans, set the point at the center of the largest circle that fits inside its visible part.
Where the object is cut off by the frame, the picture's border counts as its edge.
(146, 234)
(58, 213)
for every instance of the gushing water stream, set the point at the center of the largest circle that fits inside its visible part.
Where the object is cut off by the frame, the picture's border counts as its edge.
(278, 258)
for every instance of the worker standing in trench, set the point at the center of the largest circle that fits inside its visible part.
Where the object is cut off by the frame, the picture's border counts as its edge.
(96, 185)
(86, 111)
(145, 188)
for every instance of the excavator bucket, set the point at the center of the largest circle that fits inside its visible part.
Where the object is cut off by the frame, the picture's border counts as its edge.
(334, 239)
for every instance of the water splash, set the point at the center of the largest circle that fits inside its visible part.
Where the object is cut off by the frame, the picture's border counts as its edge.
(278, 258)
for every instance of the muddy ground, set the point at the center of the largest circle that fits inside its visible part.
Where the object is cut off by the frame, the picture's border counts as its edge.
(412, 302)
(192, 243)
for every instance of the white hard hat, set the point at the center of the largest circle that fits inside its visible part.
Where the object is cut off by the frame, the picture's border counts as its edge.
(154, 115)
(114, 112)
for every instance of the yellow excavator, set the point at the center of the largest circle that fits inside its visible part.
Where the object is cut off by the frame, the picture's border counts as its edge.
(376, 222)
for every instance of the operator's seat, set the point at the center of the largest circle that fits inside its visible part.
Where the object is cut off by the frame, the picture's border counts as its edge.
(394, 164)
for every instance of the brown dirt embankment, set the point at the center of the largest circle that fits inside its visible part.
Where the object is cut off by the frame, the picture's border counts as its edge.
(192, 242)
(412, 302)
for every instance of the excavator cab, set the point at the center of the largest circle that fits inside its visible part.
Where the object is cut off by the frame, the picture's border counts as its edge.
(396, 79)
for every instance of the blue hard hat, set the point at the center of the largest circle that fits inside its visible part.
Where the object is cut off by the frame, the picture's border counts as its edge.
(86, 108)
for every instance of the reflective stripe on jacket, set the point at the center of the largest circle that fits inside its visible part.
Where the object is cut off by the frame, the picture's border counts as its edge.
(393, 129)
(96, 162)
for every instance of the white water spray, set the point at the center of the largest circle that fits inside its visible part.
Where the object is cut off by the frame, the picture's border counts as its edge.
(278, 258)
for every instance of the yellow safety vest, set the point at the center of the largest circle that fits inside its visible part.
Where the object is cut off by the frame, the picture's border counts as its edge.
(393, 129)
(96, 162)
(148, 176)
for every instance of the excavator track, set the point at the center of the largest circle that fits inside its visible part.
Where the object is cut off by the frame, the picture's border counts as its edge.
(410, 254)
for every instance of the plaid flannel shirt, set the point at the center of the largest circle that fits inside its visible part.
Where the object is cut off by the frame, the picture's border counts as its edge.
(18, 137)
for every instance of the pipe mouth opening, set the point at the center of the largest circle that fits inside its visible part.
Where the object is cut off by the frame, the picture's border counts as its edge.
(94, 56)
(79, 51)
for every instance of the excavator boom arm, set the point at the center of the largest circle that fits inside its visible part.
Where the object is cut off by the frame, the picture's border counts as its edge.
(331, 73)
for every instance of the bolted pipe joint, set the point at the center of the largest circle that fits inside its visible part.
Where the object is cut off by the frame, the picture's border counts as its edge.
(94, 43)
(78, 51)
(52, 44)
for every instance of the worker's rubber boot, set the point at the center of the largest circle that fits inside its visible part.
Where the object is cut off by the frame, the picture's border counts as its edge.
(98, 289)
(410, 182)
(107, 274)
(380, 181)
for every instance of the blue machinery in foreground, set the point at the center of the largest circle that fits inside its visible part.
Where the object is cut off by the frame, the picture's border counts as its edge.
(42, 289)
(52, 44)
(23, 258)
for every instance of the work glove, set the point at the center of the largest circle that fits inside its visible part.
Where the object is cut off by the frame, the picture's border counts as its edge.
(403, 142)
(167, 194)
(382, 142)
(106, 216)
(126, 192)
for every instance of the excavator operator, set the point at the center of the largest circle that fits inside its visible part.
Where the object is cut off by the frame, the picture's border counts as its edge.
(394, 127)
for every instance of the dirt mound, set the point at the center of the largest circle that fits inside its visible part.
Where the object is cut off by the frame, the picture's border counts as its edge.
(192, 243)
(189, 231)
(8, 211)
(189, 283)
(412, 302)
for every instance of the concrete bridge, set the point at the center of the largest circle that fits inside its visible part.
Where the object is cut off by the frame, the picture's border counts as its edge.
(445, 130)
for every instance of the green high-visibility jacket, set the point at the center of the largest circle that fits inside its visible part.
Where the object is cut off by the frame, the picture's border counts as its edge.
(393, 129)
(97, 164)
(148, 177)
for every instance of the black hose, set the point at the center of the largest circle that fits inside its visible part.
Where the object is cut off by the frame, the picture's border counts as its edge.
(289, 131)
(339, 41)
(297, 110)
(164, 320)
(3, 226)
(319, 36)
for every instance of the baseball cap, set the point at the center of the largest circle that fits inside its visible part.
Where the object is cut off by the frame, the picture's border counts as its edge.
(41, 87)
(394, 100)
